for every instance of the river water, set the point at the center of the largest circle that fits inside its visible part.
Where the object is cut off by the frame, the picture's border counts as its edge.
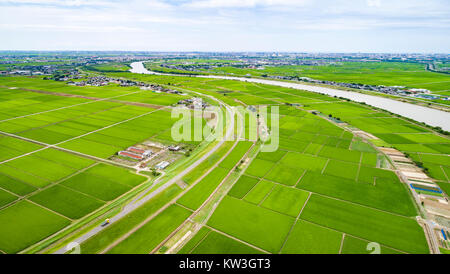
(429, 116)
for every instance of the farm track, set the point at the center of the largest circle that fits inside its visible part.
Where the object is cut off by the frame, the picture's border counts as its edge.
(205, 203)
(173, 201)
(94, 99)
(131, 207)
(133, 204)
(71, 139)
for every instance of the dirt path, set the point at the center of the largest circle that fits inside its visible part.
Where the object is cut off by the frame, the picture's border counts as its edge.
(129, 208)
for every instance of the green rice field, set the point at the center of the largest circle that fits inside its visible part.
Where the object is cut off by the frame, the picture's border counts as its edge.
(323, 191)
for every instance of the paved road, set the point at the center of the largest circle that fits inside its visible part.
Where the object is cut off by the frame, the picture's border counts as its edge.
(134, 205)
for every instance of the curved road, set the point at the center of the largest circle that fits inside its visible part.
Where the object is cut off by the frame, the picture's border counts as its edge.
(135, 204)
(423, 114)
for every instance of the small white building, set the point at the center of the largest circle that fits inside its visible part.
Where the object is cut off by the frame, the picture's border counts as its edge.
(174, 148)
(147, 153)
(162, 165)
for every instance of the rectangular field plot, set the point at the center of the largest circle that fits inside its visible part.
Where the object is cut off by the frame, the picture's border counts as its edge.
(369, 159)
(109, 140)
(251, 223)
(445, 187)
(259, 168)
(424, 138)
(286, 200)
(438, 172)
(14, 101)
(342, 169)
(390, 230)
(24, 224)
(243, 186)
(271, 156)
(91, 148)
(12, 147)
(303, 161)
(6, 198)
(293, 145)
(440, 148)
(436, 159)
(369, 175)
(362, 146)
(153, 98)
(216, 243)
(284, 175)
(386, 195)
(354, 245)
(340, 154)
(238, 152)
(313, 148)
(67, 202)
(259, 192)
(22, 176)
(114, 173)
(11, 127)
(195, 197)
(39, 170)
(106, 187)
(15, 186)
(25, 174)
(64, 158)
(45, 136)
(147, 237)
(308, 238)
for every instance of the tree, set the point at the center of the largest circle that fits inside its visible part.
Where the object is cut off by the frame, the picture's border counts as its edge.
(155, 173)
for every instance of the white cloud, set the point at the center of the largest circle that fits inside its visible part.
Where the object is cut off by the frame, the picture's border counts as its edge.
(71, 28)
(189, 24)
(243, 3)
(70, 3)
(374, 3)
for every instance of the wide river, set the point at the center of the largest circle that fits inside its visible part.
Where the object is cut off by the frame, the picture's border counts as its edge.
(429, 116)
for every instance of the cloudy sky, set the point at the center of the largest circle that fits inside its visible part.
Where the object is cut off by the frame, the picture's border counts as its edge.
(227, 25)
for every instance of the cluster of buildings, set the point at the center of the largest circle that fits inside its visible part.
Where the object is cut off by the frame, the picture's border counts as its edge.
(392, 90)
(258, 60)
(32, 70)
(135, 153)
(193, 103)
(21, 72)
(92, 81)
(157, 88)
(104, 80)
(143, 156)
(432, 97)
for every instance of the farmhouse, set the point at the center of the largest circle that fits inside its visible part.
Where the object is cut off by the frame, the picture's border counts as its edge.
(174, 148)
(162, 165)
(131, 155)
(136, 150)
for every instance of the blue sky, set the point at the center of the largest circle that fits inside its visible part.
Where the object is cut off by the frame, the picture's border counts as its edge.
(227, 25)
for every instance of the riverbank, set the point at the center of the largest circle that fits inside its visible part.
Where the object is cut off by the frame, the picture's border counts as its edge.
(429, 116)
